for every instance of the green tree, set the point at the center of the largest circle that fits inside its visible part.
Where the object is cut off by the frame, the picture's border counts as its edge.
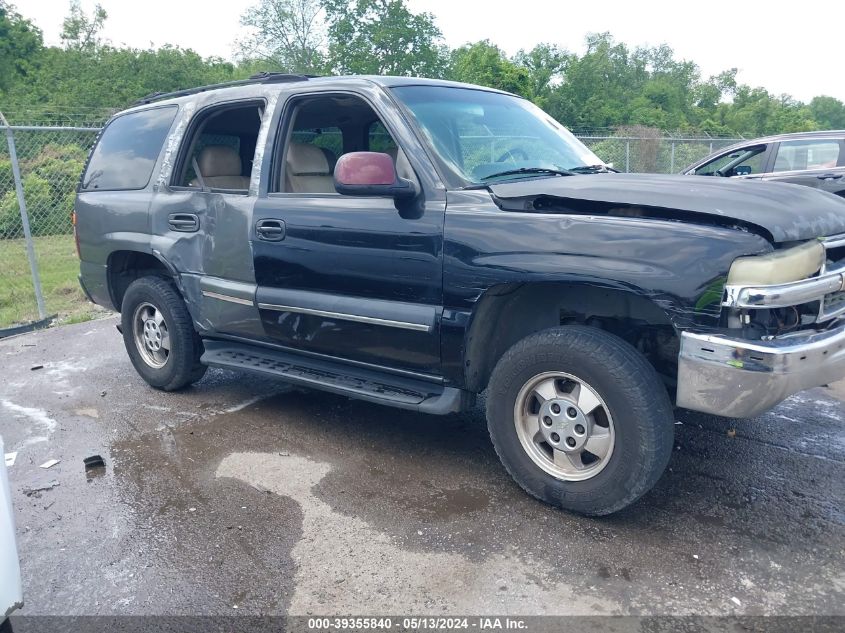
(80, 31)
(382, 37)
(486, 64)
(287, 34)
(20, 43)
(828, 112)
(545, 64)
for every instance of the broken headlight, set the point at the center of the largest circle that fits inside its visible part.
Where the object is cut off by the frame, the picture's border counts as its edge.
(778, 267)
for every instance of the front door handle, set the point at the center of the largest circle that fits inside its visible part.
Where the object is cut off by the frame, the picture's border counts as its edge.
(829, 176)
(184, 222)
(270, 230)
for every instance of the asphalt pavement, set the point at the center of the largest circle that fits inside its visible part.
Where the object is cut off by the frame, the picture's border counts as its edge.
(243, 496)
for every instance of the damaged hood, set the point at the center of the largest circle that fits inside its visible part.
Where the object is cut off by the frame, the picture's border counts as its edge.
(787, 212)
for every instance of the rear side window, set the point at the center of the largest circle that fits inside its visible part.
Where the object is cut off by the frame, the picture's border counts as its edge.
(127, 151)
(810, 154)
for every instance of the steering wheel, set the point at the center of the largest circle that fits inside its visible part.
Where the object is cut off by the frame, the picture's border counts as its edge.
(513, 154)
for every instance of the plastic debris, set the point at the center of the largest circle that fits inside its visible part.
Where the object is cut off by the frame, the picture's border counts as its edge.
(36, 492)
(95, 461)
(736, 601)
(10, 458)
(34, 367)
(50, 463)
(731, 432)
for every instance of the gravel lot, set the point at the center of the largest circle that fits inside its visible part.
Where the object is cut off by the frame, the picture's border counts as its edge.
(242, 496)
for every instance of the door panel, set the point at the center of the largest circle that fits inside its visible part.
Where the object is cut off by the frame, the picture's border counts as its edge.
(352, 278)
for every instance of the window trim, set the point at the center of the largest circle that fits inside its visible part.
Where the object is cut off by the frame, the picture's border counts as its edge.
(80, 188)
(189, 137)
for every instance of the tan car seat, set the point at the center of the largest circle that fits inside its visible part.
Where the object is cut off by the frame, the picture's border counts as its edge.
(307, 170)
(220, 168)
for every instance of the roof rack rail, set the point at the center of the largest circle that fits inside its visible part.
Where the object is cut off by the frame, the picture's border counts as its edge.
(263, 77)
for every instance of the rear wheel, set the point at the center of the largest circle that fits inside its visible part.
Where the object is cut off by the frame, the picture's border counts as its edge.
(580, 419)
(159, 335)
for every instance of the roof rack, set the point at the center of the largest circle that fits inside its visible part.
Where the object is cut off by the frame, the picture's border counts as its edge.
(263, 77)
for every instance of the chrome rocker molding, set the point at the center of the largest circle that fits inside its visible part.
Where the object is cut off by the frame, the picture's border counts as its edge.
(740, 379)
(419, 327)
(230, 299)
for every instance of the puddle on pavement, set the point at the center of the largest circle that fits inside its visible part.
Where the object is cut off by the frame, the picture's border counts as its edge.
(432, 485)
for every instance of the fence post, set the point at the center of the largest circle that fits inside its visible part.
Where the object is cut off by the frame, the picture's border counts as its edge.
(672, 159)
(30, 250)
(627, 156)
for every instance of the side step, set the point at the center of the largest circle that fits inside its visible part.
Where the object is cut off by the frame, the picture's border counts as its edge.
(355, 382)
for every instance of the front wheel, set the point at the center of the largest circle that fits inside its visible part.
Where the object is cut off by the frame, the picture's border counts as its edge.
(159, 335)
(580, 419)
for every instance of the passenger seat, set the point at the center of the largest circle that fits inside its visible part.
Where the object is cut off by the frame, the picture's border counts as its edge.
(307, 170)
(220, 168)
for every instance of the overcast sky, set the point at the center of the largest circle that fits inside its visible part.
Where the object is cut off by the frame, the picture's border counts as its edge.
(769, 42)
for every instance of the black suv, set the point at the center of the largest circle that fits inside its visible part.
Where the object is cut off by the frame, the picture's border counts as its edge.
(812, 159)
(414, 242)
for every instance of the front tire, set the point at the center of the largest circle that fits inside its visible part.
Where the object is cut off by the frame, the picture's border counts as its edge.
(580, 419)
(159, 335)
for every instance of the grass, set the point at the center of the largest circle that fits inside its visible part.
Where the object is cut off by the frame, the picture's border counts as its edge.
(58, 267)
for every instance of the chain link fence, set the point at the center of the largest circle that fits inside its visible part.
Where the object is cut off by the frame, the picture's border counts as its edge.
(39, 170)
(38, 266)
(653, 154)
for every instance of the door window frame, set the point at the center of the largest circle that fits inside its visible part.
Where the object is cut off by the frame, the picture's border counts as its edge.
(190, 137)
(840, 161)
(767, 154)
(284, 129)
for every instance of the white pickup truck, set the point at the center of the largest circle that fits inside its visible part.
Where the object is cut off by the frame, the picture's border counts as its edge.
(11, 596)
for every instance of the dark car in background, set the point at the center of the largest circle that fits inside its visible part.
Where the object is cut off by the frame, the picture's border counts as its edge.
(812, 159)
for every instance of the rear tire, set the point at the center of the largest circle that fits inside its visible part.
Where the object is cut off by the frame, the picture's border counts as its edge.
(159, 335)
(580, 419)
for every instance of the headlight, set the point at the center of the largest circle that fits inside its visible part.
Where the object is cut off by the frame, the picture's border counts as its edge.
(778, 267)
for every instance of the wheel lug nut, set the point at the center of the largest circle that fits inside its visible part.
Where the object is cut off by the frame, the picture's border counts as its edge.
(570, 442)
(555, 409)
(555, 438)
(547, 421)
(571, 412)
(579, 429)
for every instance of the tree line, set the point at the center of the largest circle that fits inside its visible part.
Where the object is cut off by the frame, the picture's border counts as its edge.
(606, 85)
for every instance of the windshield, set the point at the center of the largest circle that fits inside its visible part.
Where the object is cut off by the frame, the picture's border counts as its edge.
(481, 137)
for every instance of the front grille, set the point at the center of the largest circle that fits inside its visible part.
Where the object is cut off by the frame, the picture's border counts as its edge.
(833, 304)
(834, 301)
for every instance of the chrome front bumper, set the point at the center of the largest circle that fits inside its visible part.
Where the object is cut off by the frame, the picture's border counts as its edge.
(737, 378)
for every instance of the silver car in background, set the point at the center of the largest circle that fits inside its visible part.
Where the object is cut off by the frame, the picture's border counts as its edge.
(812, 159)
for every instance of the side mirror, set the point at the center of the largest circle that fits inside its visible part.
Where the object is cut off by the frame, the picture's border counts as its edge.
(370, 174)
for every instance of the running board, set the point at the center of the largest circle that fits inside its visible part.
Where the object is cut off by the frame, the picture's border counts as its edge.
(355, 382)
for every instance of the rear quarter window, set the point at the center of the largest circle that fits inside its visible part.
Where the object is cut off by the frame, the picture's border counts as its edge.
(127, 151)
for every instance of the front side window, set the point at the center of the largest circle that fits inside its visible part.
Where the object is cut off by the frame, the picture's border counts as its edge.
(799, 155)
(477, 135)
(127, 151)
(322, 129)
(742, 162)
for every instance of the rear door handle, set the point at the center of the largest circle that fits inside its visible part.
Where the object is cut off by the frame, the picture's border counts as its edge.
(829, 176)
(270, 230)
(184, 222)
